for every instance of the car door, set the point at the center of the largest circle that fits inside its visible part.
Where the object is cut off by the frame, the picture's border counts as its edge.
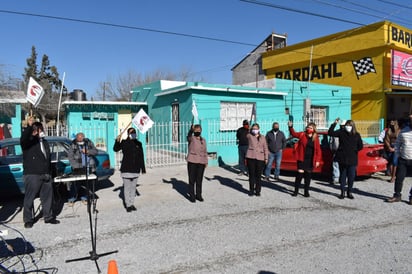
(11, 169)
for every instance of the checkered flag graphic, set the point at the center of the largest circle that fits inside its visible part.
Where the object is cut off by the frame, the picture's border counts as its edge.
(363, 66)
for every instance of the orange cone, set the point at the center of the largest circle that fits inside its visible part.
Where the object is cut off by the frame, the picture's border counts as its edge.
(112, 269)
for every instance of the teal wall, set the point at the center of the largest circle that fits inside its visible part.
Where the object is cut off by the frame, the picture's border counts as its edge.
(269, 108)
(99, 123)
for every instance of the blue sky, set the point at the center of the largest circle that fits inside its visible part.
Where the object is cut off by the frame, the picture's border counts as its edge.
(90, 53)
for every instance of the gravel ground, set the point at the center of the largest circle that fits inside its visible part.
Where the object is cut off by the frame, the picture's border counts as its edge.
(228, 233)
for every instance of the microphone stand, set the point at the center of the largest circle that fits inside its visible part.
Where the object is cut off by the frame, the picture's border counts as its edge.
(91, 200)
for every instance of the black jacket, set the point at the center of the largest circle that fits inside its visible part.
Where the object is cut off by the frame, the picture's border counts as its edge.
(133, 158)
(34, 161)
(349, 145)
(275, 143)
(241, 136)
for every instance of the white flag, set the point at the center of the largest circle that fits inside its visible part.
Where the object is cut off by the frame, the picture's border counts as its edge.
(194, 111)
(142, 121)
(35, 92)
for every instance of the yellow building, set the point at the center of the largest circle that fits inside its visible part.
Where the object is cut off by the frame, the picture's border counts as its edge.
(375, 60)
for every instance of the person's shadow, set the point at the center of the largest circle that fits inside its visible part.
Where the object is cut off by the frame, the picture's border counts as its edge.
(229, 183)
(10, 207)
(277, 185)
(180, 186)
(223, 165)
(355, 190)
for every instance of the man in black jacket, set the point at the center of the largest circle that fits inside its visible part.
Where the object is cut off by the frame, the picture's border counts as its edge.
(242, 145)
(37, 173)
(276, 141)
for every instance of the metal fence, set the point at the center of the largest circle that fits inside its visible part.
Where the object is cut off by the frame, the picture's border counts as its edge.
(166, 143)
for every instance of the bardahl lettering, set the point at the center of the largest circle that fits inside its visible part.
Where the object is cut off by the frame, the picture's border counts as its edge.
(401, 36)
(323, 71)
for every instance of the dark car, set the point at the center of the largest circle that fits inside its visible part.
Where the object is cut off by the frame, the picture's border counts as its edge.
(11, 163)
(370, 158)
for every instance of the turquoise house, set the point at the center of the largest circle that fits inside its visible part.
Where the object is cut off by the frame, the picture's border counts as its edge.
(220, 109)
(100, 121)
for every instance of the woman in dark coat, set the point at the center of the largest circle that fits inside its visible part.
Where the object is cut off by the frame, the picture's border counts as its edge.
(196, 162)
(350, 142)
(132, 165)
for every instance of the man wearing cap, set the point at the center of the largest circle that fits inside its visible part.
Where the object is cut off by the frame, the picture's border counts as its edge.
(243, 144)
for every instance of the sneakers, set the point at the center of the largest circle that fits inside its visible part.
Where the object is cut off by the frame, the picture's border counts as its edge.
(84, 202)
(393, 199)
(199, 198)
(70, 204)
(266, 179)
(28, 225)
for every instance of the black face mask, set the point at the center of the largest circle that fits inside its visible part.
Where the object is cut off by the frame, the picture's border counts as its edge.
(275, 129)
(196, 134)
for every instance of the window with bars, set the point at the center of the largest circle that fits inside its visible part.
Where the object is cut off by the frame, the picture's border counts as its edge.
(318, 116)
(232, 114)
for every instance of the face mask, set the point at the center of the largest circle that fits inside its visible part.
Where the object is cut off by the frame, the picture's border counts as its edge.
(196, 133)
(132, 135)
(309, 130)
(348, 128)
(42, 135)
(275, 129)
(255, 131)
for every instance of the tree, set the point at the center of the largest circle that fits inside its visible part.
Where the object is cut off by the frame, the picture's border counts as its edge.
(118, 89)
(10, 88)
(48, 78)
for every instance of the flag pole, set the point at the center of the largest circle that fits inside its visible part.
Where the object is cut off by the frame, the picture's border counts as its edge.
(125, 128)
(58, 107)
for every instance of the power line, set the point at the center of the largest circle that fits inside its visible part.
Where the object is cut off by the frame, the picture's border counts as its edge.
(301, 11)
(396, 4)
(126, 27)
(361, 12)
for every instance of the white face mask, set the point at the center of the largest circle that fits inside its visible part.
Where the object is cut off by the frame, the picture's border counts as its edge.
(348, 128)
(41, 134)
(255, 131)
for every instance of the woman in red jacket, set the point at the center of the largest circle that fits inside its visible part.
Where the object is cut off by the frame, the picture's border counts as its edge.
(307, 154)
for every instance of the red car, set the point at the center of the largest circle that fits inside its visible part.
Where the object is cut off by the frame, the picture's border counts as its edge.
(370, 158)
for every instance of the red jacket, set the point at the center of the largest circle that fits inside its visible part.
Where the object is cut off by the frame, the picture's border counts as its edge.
(301, 146)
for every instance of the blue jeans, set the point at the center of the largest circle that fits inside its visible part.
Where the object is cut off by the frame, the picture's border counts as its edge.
(242, 157)
(347, 173)
(277, 157)
(335, 171)
(401, 172)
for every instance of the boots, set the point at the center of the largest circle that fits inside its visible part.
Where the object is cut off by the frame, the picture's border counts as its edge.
(298, 179)
(349, 194)
(295, 193)
(307, 183)
(342, 194)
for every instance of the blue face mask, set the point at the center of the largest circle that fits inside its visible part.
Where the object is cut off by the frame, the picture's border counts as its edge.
(132, 136)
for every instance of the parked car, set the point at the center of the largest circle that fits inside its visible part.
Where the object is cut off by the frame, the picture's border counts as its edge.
(11, 163)
(370, 158)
